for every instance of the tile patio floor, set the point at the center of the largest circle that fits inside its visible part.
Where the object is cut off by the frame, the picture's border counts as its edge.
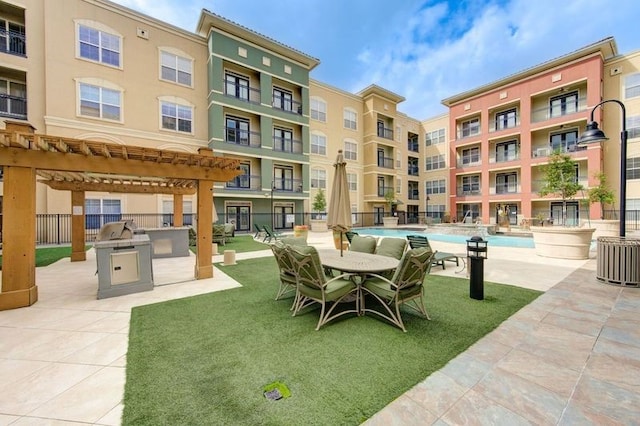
(570, 357)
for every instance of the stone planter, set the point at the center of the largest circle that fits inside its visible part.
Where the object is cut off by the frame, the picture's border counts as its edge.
(390, 221)
(604, 228)
(336, 240)
(562, 242)
(318, 225)
(301, 231)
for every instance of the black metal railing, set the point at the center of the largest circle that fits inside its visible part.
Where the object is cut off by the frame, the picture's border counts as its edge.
(13, 106)
(286, 104)
(292, 146)
(13, 42)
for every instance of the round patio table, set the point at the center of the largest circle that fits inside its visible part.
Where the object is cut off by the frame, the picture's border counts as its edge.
(357, 262)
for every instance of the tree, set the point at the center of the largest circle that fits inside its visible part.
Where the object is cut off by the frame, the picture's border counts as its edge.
(390, 199)
(319, 202)
(601, 193)
(561, 180)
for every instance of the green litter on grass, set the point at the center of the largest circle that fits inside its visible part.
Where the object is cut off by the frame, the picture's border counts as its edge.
(276, 390)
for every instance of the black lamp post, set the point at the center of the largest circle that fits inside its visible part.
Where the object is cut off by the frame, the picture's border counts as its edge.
(592, 134)
(427, 208)
(273, 187)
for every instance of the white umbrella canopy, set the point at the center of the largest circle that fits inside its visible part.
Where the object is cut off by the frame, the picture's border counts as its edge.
(339, 214)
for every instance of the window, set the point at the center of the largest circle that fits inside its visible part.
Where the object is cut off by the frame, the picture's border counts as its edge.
(412, 191)
(632, 86)
(318, 178)
(438, 186)
(99, 102)
(412, 143)
(175, 68)
(99, 46)
(318, 144)
(412, 167)
(435, 210)
(237, 131)
(633, 168)
(236, 86)
(633, 126)
(350, 150)
(352, 181)
(176, 117)
(470, 128)
(435, 162)
(242, 181)
(100, 211)
(283, 178)
(563, 104)
(12, 38)
(506, 151)
(318, 109)
(506, 183)
(350, 119)
(282, 139)
(435, 137)
(506, 119)
(13, 99)
(282, 99)
(564, 141)
(470, 184)
(167, 213)
(383, 131)
(470, 156)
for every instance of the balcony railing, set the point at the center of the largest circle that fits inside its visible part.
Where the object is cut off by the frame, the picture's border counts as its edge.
(287, 185)
(498, 126)
(243, 93)
(503, 158)
(464, 134)
(385, 162)
(537, 184)
(414, 194)
(13, 42)
(466, 190)
(505, 189)
(546, 151)
(383, 190)
(386, 133)
(287, 105)
(467, 163)
(13, 106)
(291, 146)
(548, 113)
(413, 170)
(245, 183)
(243, 137)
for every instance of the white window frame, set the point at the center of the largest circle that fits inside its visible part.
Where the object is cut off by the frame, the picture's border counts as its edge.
(631, 86)
(350, 119)
(318, 143)
(434, 162)
(102, 204)
(352, 181)
(318, 178)
(435, 137)
(436, 186)
(104, 88)
(472, 127)
(350, 150)
(178, 62)
(633, 126)
(103, 32)
(633, 168)
(181, 108)
(318, 109)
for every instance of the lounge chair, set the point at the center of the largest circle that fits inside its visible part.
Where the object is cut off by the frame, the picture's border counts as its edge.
(416, 241)
(259, 231)
(406, 287)
(270, 234)
(313, 286)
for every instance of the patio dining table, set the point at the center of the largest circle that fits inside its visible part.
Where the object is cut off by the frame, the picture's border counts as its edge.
(357, 262)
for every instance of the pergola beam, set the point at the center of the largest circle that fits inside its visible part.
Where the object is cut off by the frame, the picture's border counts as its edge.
(118, 187)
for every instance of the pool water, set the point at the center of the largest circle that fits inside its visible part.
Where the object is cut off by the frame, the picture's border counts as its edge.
(495, 240)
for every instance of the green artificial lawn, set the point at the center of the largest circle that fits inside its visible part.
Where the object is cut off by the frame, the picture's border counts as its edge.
(241, 244)
(206, 359)
(48, 255)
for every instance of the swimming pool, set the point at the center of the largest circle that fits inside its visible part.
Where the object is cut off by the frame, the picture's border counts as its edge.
(496, 240)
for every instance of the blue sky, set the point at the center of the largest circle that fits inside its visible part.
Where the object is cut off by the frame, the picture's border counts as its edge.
(423, 50)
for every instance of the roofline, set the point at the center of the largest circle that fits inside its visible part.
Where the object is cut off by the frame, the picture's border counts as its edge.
(606, 47)
(374, 89)
(209, 19)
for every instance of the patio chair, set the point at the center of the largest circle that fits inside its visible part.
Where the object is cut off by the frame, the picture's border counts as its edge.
(416, 241)
(404, 288)
(313, 286)
(259, 231)
(229, 230)
(218, 234)
(288, 283)
(363, 244)
(350, 235)
(270, 234)
(391, 247)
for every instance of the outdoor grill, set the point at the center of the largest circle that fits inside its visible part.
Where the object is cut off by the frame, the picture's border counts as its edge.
(121, 230)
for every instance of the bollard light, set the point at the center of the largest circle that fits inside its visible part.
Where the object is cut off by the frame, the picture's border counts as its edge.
(476, 253)
(476, 248)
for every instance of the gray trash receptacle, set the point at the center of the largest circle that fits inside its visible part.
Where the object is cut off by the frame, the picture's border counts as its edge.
(618, 261)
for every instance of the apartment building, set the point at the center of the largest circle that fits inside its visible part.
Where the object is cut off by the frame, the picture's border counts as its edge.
(501, 136)
(436, 168)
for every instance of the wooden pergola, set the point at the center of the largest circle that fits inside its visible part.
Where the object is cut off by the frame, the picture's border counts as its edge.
(79, 166)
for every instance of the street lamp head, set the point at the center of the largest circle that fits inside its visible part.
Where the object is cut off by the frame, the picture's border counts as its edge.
(592, 134)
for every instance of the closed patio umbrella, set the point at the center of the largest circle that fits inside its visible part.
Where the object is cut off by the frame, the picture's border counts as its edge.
(339, 214)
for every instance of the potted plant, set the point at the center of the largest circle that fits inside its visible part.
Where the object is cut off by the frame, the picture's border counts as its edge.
(563, 241)
(390, 200)
(319, 206)
(602, 194)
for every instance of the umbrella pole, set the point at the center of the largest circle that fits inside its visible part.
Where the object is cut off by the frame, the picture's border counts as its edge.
(341, 245)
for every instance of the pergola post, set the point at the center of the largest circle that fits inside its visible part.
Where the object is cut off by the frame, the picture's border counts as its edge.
(204, 266)
(19, 238)
(77, 227)
(177, 210)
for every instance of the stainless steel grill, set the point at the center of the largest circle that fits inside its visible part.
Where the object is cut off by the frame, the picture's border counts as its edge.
(121, 230)
(618, 261)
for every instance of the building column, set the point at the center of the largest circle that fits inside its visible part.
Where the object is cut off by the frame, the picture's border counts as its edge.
(177, 210)
(19, 238)
(77, 227)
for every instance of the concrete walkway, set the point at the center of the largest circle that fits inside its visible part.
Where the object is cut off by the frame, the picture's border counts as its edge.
(570, 357)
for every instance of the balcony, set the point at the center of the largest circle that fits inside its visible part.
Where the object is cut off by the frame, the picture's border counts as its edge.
(291, 146)
(537, 184)
(468, 163)
(287, 185)
(413, 170)
(547, 151)
(505, 189)
(13, 42)
(498, 126)
(385, 162)
(242, 137)
(287, 105)
(245, 183)
(383, 190)
(464, 190)
(414, 194)
(504, 157)
(549, 113)
(242, 92)
(13, 107)
(384, 132)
